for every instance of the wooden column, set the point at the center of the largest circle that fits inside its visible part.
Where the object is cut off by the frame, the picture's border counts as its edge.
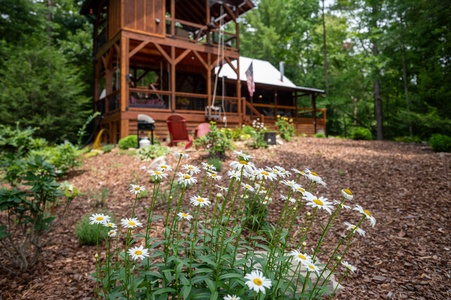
(314, 111)
(173, 83)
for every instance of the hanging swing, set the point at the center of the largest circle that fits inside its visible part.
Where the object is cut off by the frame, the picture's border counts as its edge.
(214, 112)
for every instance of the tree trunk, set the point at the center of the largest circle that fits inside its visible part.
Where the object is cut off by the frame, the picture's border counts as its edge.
(377, 99)
(326, 65)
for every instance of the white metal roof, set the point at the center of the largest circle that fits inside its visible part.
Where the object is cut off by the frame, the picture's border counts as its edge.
(264, 73)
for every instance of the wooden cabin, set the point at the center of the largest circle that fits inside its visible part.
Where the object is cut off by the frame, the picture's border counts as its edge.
(159, 57)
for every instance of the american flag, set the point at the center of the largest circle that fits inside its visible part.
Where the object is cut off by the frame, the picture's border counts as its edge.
(250, 79)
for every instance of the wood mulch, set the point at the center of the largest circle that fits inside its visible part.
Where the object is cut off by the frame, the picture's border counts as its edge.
(407, 187)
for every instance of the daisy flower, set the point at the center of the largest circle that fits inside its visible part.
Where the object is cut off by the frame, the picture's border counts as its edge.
(138, 252)
(190, 169)
(298, 171)
(214, 175)
(136, 189)
(131, 223)
(164, 168)
(186, 179)
(279, 171)
(241, 155)
(367, 214)
(185, 216)
(248, 187)
(257, 282)
(290, 183)
(208, 167)
(99, 219)
(347, 194)
(298, 188)
(320, 202)
(222, 188)
(265, 175)
(234, 174)
(355, 228)
(199, 201)
(311, 267)
(228, 297)
(179, 155)
(112, 233)
(157, 174)
(110, 225)
(341, 204)
(300, 257)
(239, 165)
(349, 266)
(313, 176)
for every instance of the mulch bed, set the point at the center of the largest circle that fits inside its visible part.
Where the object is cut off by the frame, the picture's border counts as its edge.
(407, 187)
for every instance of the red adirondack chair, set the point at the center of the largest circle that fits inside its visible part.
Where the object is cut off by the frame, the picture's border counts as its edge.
(178, 131)
(202, 130)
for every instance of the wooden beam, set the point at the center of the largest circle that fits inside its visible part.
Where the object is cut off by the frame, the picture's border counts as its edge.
(138, 48)
(201, 59)
(123, 71)
(166, 56)
(230, 12)
(182, 56)
(229, 61)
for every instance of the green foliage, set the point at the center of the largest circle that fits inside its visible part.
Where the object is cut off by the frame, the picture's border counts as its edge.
(31, 204)
(82, 131)
(108, 148)
(258, 134)
(440, 143)
(215, 162)
(286, 128)
(320, 135)
(128, 142)
(408, 139)
(88, 234)
(152, 151)
(17, 142)
(361, 133)
(65, 157)
(216, 141)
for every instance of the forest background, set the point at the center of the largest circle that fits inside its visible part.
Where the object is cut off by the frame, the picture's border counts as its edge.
(385, 64)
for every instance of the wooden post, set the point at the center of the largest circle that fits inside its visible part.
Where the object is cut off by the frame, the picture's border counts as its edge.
(173, 83)
(123, 89)
(314, 111)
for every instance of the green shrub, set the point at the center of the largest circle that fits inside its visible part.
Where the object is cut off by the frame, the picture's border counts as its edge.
(440, 143)
(152, 151)
(88, 234)
(108, 148)
(16, 142)
(286, 128)
(216, 141)
(217, 163)
(320, 135)
(408, 139)
(127, 142)
(361, 133)
(65, 157)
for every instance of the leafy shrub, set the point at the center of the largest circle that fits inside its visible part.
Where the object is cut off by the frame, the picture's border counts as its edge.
(31, 204)
(17, 142)
(107, 148)
(65, 157)
(258, 134)
(217, 163)
(89, 235)
(361, 133)
(152, 151)
(286, 128)
(128, 142)
(320, 135)
(440, 143)
(408, 139)
(216, 141)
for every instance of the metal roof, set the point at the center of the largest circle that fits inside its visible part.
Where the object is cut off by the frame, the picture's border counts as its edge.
(264, 74)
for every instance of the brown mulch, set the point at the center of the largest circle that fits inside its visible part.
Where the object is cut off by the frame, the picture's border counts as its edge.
(407, 187)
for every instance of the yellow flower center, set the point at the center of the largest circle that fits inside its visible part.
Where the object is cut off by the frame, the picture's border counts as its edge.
(367, 213)
(99, 218)
(163, 167)
(301, 190)
(243, 162)
(213, 175)
(311, 267)
(319, 202)
(131, 223)
(138, 252)
(184, 215)
(347, 192)
(314, 173)
(190, 168)
(257, 281)
(201, 200)
(302, 256)
(186, 176)
(137, 188)
(264, 173)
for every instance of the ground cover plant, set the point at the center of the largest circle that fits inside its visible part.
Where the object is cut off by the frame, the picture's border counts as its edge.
(211, 250)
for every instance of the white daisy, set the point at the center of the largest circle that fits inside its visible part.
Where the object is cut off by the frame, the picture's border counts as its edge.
(222, 188)
(131, 223)
(341, 204)
(291, 199)
(138, 252)
(265, 175)
(248, 187)
(355, 228)
(110, 225)
(320, 202)
(157, 174)
(185, 216)
(290, 183)
(313, 176)
(229, 297)
(214, 175)
(257, 282)
(234, 174)
(99, 219)
(311, 267)
(179, 155)
(199, 201)
(367, 214)
(190, 169)
(136, 189)
(186, 179)
(164, 168)
(112, 233)
(300, 257)
(347, 194)
(239, 165)
(349, 266)
(298, 172)
(208, 167)
(241, 155)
